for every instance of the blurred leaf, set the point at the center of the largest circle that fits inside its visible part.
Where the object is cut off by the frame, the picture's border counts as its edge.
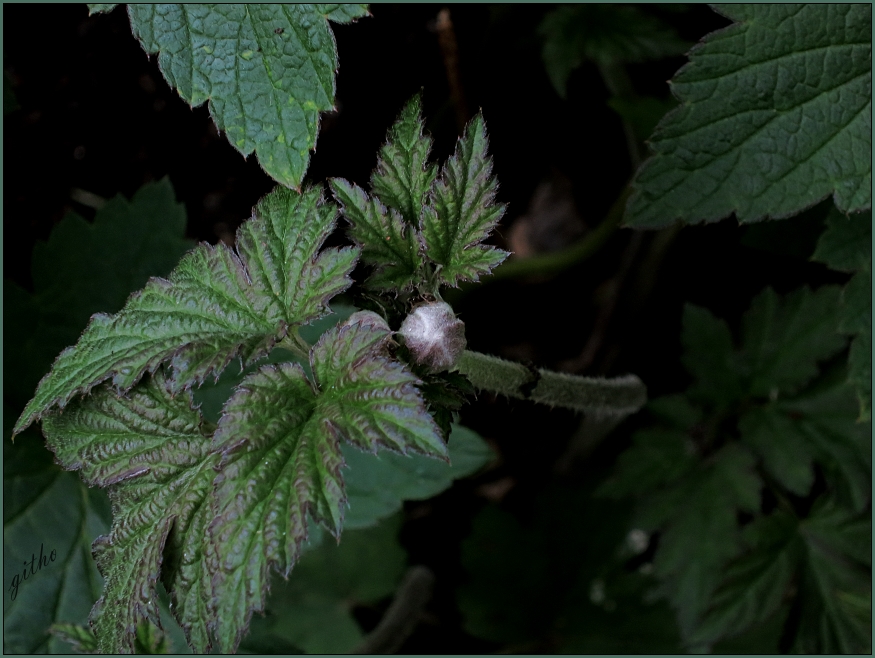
(795, 238)
(657, 458)
(46, 509)
(846, 243)
(784, 338)
(756, 584)
(710, 357)
(750, 87)
(313, 610)
(377, 485)
(602, 33)
(786, 454)
(87, 268)
(836, 614)
(643, 114)
(283, 59)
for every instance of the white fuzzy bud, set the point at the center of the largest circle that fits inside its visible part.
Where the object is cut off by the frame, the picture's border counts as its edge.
(434, 335)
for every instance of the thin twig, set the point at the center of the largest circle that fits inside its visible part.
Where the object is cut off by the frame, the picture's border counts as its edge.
(450, 51)
(403, 614)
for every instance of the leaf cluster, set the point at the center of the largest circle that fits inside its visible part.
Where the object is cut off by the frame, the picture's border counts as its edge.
(757, 481)
(211, 508)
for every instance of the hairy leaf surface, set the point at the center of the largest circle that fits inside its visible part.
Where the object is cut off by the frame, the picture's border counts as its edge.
(388, 243)
(266, 70)
(404, 176)
(218, 303)
(464, 213)
(152, 451)
(280, 437)
(775, 116)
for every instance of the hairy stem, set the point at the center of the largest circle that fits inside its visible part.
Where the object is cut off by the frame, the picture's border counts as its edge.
(619, 395)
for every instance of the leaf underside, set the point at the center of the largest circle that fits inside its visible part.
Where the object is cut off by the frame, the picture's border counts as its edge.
(266, 70)
(218, 303)
(775, 116)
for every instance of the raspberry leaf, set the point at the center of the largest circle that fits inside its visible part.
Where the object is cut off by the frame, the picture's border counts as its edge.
(464, 212)
(218, 303)
(280, 437)
(266, 70)
(388, 243)
(799, 76)
(153, 453)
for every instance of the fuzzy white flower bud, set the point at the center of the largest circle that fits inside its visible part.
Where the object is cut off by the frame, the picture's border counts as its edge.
(434, 335)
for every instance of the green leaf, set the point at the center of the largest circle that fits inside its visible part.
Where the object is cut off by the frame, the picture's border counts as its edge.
(387, 242)
(602, 33)
(709, 356)
(701, 532)
(81, 638)
(100, 7)
(152, 451)
(786, 454)
(775, 115)
(266, 70)
(86, 268)
(49, 511)
(846, 243)
(280, 438)
(217, 303)
(827, 420)
(377, 485)
(785, 338)
(313, 610)
(403, 176)
(856, 319)
(837, 589)
(464, 213)
(658, 457)
(755, 585)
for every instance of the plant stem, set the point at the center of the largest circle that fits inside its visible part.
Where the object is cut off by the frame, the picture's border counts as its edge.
(619, 395)
(558, 261)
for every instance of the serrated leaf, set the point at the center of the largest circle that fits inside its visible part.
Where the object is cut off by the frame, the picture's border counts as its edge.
(827, 419)
(775, 115)
(856, 318)
(710, 357)
(86, 268)
(602, 33)
(846, 243)
(387, 242)
(151, 449)
(313, 610)
(756, 584)
(835, 542)
(701, 533)
(266, 70)
(280, 438)
(404, 176)
(786, 455)
(464, 212)
(785, 338)
(658, 457)
(216, 304)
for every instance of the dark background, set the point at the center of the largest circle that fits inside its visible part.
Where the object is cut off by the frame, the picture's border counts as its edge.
(95, 114)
